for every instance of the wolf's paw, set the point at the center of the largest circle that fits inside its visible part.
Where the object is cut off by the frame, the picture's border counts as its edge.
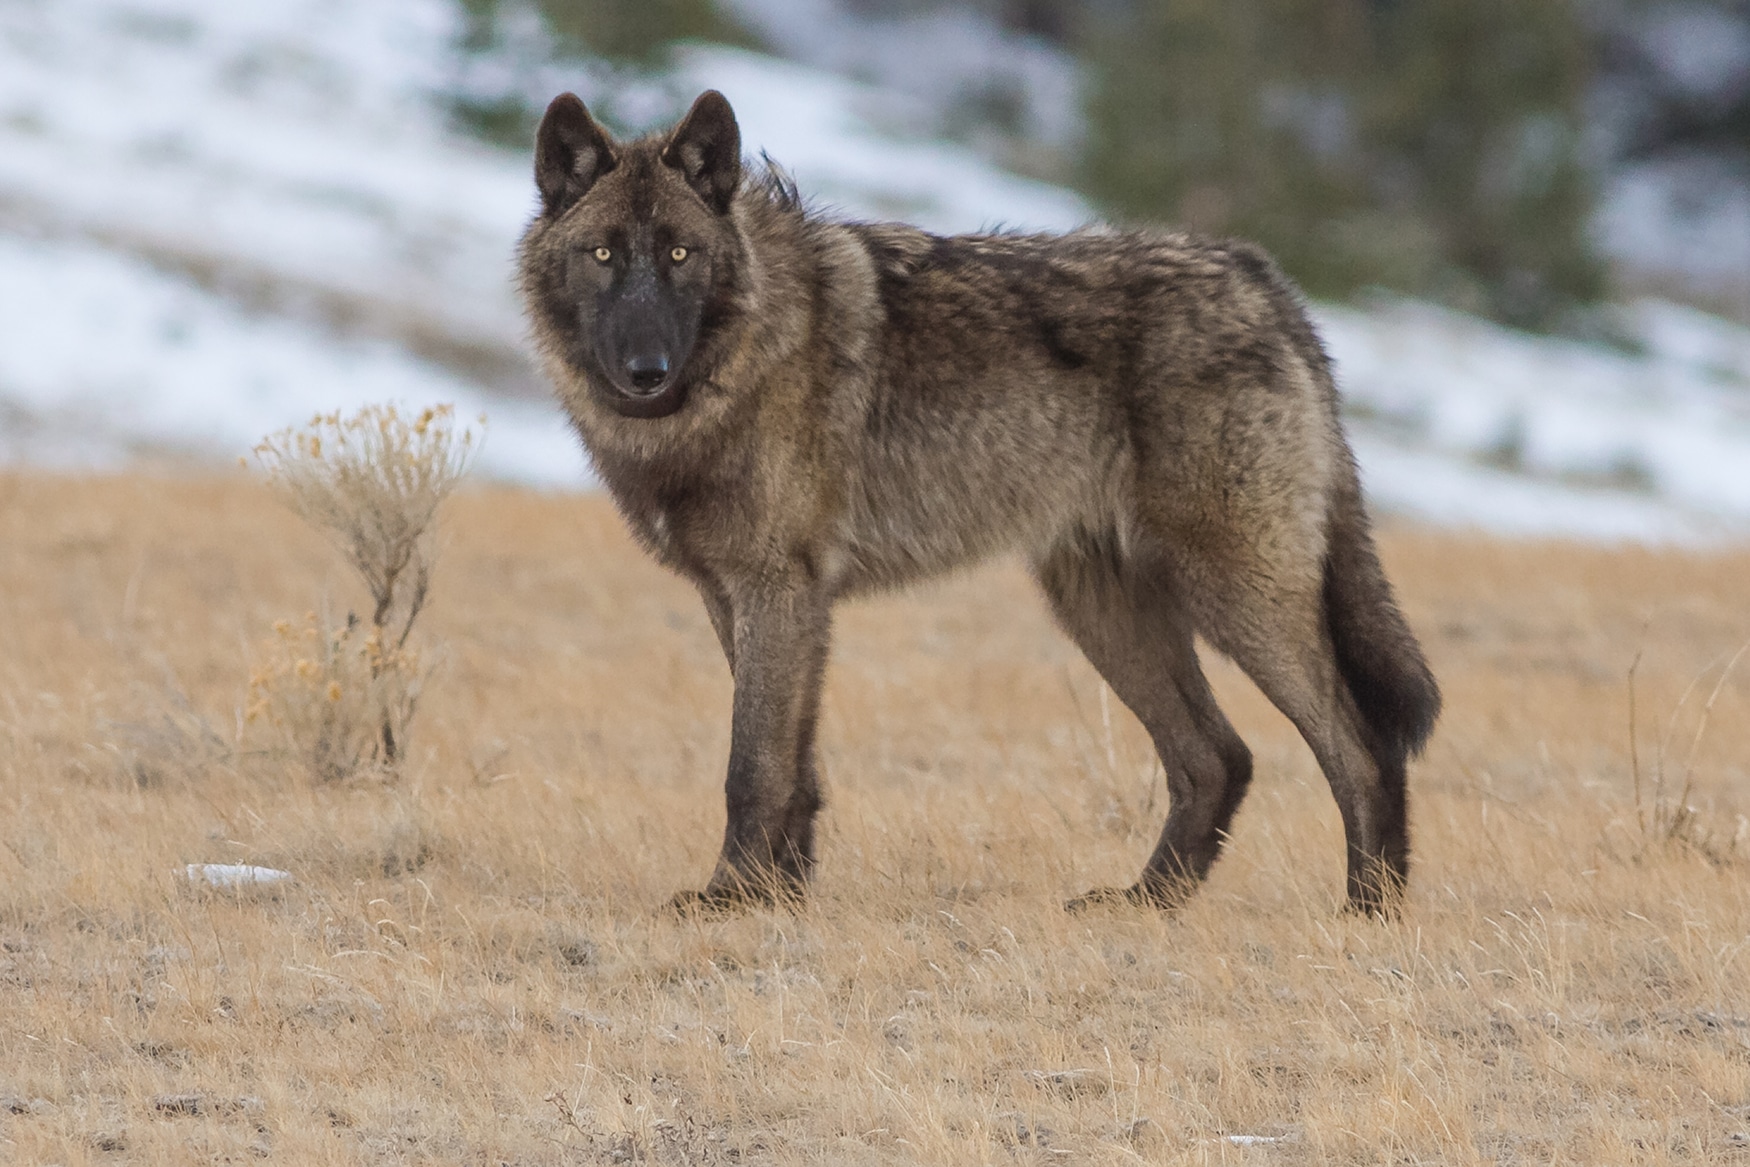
(710, 901)
(1162, 894)
(740, 895)
(1377, 891)
(1109, 897)
(704, 901)
(1387, 908)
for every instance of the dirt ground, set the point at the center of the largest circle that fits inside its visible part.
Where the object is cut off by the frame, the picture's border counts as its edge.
(471, 965)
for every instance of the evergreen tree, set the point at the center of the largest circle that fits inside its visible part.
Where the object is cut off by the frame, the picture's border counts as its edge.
(1432, 146)
(637, 32)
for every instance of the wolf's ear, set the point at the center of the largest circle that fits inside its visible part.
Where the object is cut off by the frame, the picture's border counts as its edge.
(571, 153)
(706, 149)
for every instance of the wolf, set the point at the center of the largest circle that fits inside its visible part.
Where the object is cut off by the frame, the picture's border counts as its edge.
(789, 409)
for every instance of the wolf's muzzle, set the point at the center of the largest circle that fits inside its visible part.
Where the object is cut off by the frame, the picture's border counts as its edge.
(647, 371)
(657, 395)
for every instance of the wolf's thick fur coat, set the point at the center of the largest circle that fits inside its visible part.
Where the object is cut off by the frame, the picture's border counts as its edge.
(1148, 418)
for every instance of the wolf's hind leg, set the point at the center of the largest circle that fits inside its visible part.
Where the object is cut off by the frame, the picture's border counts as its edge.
(1273, 626)
(1126, 617)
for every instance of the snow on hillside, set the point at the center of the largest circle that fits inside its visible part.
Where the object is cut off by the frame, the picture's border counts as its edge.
(216, 219)
(1458, 421)
(105, 356)
(291, 148)
(953, 62)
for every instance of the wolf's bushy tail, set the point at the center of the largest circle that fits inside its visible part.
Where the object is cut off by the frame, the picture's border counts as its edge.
(1377, 653)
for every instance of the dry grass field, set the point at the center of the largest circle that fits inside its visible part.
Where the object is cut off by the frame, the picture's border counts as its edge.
(472, 965)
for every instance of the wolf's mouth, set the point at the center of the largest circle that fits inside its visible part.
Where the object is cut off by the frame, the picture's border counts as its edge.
(658, 401)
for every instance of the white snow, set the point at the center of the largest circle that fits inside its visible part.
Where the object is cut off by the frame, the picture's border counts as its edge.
(844, 140)
(1683, 222)
(945, 61)
(815, 125)
(1700, 47)
(1459, 421)
(111, 357)
(217, 219)
(295, 142)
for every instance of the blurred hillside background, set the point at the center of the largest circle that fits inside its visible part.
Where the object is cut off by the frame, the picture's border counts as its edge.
(1526, 223)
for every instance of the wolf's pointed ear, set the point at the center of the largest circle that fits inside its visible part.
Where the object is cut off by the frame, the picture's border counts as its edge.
(571, 153)
(706, 149)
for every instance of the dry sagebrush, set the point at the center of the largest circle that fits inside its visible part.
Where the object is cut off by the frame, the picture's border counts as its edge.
(340, 696)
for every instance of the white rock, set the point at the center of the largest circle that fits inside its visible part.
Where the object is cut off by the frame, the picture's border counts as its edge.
(234, 875)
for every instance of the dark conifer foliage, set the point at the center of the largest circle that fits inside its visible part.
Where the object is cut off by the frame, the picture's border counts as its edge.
(1432, 147)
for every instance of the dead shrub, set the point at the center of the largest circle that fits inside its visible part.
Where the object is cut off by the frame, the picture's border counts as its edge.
(340, 694)
(335, 697)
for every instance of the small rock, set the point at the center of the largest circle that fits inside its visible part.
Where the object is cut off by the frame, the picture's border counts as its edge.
(576, 951)
(1072, 1083)
(1012, 1127)
(230, 876)
(1144, 1132)
(202, 1104)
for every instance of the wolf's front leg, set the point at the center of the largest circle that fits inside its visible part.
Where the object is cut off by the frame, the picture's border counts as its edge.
(773, 791)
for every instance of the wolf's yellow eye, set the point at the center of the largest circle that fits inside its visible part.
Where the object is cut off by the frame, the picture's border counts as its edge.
(679, 255)
(602, 255)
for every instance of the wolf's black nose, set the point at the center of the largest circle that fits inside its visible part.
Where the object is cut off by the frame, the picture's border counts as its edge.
(647, 372)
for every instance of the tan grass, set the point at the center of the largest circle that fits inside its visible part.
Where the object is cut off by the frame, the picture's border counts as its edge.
(471, 967)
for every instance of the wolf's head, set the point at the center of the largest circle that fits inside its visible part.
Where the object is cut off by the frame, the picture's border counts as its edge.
(630, 263)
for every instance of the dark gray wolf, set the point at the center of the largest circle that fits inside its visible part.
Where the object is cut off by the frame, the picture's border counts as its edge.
(789, 409)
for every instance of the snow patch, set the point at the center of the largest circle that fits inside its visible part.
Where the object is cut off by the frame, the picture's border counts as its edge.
(105, 357)
(217, 219)
(1459, 420)
(819, 127)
